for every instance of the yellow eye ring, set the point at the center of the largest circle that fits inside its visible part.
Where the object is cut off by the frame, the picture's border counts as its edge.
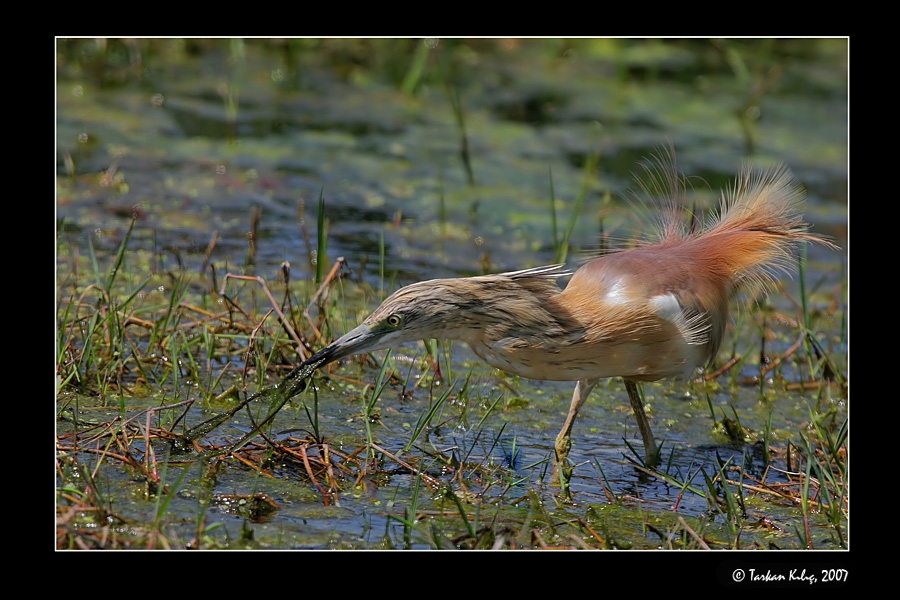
(393, 320)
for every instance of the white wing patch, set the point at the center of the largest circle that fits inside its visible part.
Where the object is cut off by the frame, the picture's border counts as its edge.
(615, 294)
(694, 326)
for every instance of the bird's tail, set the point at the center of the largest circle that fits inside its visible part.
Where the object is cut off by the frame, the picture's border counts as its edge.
(758, 226)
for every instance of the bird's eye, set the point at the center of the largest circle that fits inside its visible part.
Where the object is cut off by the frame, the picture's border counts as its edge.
(394, 320)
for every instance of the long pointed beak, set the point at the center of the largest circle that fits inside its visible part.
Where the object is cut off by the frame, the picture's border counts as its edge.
(356, 341)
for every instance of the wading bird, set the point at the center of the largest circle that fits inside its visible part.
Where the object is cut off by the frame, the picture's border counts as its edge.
(656, 310)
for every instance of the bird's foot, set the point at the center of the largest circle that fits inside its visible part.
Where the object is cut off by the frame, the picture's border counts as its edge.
(562, 473)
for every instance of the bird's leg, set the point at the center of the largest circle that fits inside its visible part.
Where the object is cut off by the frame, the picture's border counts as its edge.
(563, 440)
(650, 450)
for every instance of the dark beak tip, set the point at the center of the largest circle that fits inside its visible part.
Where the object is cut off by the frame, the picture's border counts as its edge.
(351, 343)
(318, 356)
(322, 357)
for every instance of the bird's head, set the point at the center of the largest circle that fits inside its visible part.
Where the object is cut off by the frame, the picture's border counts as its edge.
(478, 310)
(423, 310)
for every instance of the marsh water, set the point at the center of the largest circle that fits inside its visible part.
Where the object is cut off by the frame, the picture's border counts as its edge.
(190, 137)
